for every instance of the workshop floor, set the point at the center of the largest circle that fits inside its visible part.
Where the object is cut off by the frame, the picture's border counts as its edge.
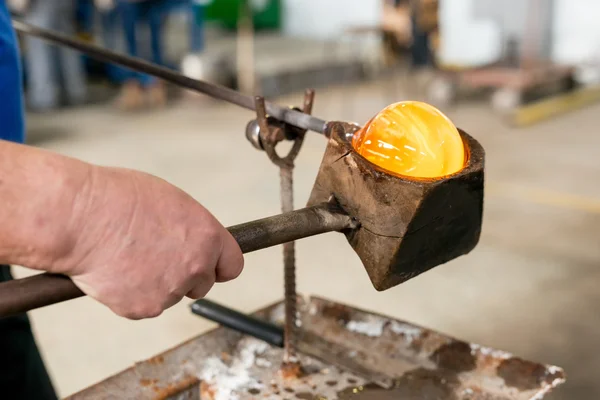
(531, 287)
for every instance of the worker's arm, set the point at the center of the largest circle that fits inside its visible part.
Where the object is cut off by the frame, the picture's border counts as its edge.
(130, 240)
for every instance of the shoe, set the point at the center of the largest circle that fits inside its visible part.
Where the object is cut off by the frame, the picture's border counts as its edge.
(77, 100)
(157, 95)
(131, 97)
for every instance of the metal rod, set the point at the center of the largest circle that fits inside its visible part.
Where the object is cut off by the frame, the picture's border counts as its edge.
(288, 115)
(289, 270)
(287, 227)
(309, 343)
(286, 171)
(22, 295)
(239, 322)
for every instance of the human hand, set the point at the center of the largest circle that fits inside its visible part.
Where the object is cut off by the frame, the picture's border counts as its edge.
(18, 6)
(104, 5)
(142, 244)
(397, 20)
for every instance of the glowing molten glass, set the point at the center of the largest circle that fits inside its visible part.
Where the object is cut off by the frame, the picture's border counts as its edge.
(411, 138)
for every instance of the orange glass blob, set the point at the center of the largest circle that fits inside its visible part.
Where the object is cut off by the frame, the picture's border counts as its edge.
(411, 138)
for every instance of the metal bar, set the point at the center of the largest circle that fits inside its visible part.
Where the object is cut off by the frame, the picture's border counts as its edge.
(288, 115)
(308, 343)
(246, 324)
(286, 170)
(287, 227)
(22, 295)
(289, 270)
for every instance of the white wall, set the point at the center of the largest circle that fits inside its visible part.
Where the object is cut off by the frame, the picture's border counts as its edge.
(576, 30)
(326, 19)
(470, 39)
(465, 39)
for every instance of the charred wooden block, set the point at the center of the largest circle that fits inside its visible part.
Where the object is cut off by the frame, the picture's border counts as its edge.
(407, 225)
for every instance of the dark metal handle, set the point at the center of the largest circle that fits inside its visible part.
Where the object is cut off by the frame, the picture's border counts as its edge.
(290, 226)
(22, 295)
(239, 322)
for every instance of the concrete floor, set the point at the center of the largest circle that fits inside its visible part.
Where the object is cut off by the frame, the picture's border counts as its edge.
(530, 287)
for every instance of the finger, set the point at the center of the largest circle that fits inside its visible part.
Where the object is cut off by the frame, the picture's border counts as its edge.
(201, 287)
(140, 308)
(231, 262)
(171, 301)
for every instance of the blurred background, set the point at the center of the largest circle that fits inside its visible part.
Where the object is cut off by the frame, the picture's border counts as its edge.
(521, 76)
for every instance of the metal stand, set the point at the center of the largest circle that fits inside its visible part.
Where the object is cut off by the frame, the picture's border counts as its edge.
(270, 136)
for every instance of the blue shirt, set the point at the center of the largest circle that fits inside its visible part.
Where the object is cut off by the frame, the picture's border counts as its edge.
(12, 125)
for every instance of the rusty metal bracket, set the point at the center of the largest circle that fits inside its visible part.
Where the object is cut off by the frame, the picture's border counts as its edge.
(272, 132)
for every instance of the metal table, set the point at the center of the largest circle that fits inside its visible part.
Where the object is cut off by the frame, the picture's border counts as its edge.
(426, 365)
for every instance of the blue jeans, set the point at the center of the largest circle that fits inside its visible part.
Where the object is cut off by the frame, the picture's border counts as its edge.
(154, 13)
(46, 64)
(420, 51)
(111, 30)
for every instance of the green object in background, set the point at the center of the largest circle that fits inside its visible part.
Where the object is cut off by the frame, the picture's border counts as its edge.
(266, 14)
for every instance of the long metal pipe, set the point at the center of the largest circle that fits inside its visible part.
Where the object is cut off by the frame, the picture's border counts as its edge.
(22, 295)
(292, 117)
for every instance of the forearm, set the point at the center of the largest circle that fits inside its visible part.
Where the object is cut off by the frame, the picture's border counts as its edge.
(43, 196)
(130, 240)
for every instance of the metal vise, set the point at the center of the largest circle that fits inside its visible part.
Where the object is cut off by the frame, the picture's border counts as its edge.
(407, 225)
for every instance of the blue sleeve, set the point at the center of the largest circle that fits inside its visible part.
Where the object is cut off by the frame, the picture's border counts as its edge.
(11, 95)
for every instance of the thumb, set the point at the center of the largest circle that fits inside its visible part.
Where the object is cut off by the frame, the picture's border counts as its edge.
(231, 261)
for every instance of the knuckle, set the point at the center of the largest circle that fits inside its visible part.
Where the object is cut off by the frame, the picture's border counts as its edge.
(198, 270)
(213, 239)
(201, 273)
(201, 290)
(141, 311)
(178, 289)
(196, 294)
(203, 287)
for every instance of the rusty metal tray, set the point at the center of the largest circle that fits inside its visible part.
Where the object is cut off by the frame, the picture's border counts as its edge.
(225, 365)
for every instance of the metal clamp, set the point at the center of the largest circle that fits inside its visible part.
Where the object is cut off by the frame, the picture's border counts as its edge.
(265, 132)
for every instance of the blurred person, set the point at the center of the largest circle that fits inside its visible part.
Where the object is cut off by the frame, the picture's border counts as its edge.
(129, 240)
(421, 19)
(138, 86)
(411, 27)
(397, 29)
(111, 33)
(424, 32)
(51, 69)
